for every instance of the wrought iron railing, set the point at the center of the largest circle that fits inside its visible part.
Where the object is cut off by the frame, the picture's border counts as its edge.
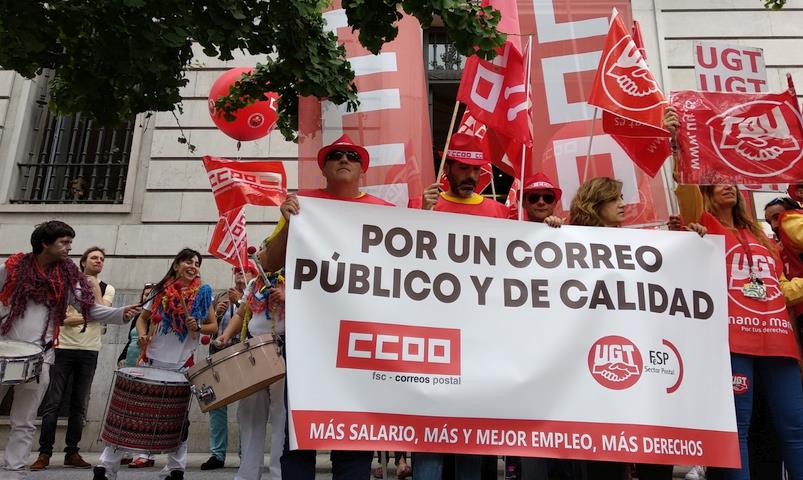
(73, 160)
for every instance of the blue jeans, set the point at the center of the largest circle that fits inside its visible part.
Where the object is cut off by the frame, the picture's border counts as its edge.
(429, 466)
(300, 464)
(219, 432)
(780, 377)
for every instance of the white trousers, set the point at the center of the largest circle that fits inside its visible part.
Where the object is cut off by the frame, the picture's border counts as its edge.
(253, 414)
(111, 457)
(27, 397)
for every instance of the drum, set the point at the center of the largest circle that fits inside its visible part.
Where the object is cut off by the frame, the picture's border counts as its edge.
(20, 362)
(147, 410)
(236, 372)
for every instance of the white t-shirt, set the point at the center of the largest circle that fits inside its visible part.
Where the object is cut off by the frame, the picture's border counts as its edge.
(168, 348)
(261, 323)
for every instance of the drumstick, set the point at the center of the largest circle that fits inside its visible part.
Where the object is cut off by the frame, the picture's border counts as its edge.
(194, 333)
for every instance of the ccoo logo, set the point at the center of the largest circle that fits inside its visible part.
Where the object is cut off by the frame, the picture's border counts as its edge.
(615, 362)
(398, 348)
(755, 138)
(628, 81)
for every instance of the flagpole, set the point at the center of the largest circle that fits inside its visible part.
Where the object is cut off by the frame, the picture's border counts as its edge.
(524, 145)
(590, 143)
(231, 235)
(493, 185)
(448, 139)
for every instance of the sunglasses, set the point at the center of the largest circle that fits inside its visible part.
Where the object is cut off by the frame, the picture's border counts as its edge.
(350, 155)
(534, 197)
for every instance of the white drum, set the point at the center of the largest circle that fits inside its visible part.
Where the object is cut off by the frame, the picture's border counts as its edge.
(20, 362)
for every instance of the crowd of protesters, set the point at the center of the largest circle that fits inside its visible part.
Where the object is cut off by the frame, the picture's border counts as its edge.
(47, 300)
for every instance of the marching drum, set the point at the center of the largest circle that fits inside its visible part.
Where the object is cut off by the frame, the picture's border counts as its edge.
(147, 410)
(236, 372)
(20, 362)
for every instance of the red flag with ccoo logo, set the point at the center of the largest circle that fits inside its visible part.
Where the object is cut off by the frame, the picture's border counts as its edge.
(236, 183)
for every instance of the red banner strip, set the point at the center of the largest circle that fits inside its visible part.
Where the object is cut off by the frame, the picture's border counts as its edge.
(329, 430)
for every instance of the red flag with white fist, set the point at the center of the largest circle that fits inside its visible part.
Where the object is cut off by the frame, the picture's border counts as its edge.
(495, 90)
(744, 138)
(624, 84)
(229, 240)
(632, 103)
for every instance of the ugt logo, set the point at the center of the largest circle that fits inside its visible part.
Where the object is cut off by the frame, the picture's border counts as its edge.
(755, 138)
(615, 362)
(740, 384)
(628, 81)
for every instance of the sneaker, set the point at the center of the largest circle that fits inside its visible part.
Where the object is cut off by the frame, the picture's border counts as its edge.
(74, 460)
(212, 464)
(41, 463)
(697, 472)
(175, 475)
(99, 473)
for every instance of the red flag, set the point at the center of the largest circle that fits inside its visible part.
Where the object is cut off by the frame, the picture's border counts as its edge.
(744, 138)
(512, 201)
(624, 84)
(639, 40)
(630, 98)
(229, 241)
(236, 183)
(504, 153)
(495, 90)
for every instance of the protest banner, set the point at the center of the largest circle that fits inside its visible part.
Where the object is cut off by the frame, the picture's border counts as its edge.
(423, 331)
(729, 68)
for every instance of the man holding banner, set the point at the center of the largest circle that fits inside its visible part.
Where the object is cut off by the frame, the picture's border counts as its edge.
(464, 162)
(342, 163)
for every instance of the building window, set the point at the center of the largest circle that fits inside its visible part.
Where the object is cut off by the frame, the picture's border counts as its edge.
(73, 160)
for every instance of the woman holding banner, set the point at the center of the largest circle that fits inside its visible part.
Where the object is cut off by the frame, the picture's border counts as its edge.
(599, 203)
(756, 294)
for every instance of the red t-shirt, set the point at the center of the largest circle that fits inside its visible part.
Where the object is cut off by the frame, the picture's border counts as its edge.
(476, 205)
(364, 198)
(757, 327)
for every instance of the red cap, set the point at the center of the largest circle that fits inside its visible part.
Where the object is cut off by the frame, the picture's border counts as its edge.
(539, 181)
(345, 144)
(466, 149)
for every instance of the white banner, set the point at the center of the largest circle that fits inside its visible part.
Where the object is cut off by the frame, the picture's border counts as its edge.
(729, 68)
(411, 330)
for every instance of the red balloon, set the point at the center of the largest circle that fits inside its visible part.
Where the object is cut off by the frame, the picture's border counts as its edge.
(250, 123)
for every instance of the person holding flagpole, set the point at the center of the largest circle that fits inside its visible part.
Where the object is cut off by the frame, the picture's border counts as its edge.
(772, 354)
(464, 162)
(342, 163)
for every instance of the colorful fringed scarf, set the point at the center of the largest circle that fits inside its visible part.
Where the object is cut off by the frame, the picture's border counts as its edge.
(26, 281)
(168, 307)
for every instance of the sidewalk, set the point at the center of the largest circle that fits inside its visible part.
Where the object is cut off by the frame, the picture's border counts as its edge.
(194, 460)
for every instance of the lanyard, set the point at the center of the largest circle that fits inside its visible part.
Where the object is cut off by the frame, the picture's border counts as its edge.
(745, 248)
